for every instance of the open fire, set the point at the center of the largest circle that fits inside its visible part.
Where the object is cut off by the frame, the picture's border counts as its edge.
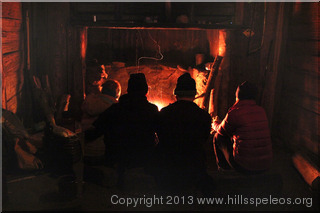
(159, 104)
(161, 73)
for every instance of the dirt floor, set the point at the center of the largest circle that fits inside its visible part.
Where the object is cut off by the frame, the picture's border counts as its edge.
(281, 189)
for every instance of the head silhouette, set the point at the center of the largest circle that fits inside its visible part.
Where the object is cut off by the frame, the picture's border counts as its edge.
(137, 84)
(186, 86)
(246, 91)
(112, 88)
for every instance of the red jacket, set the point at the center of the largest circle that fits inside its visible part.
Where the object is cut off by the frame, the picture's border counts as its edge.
(247, 124)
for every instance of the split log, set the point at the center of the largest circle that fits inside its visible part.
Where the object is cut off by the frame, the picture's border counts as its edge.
(309, 173)
(210, 83)
(211, 103)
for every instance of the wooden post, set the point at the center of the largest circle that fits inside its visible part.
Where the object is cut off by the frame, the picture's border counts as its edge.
(210, 82)
(211, 103)
(28, 39)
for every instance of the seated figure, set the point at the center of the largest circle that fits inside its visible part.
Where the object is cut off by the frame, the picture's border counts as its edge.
(92, 107)
(242, 140)
(183, 130)
(19, 146)
(129, 127)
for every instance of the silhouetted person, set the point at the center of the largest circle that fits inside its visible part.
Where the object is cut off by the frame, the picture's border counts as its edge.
(242, 140)
(129, 127)
(184, 128)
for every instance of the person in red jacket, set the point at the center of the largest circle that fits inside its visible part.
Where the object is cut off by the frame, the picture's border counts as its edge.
(242, 140)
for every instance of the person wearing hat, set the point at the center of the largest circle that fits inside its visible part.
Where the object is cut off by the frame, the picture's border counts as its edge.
(183, 130)
(129, 127)
(242, 139)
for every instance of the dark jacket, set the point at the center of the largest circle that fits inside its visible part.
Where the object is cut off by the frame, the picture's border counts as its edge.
(183, 130)
(247, 124)
(129, 128)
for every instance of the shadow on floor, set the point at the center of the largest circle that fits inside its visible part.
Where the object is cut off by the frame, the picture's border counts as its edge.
(281, 189)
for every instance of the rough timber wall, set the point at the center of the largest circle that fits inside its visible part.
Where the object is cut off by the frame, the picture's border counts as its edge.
(48, 28)
(298, 109)
(12, 62)
(57, 49)
(177, 46)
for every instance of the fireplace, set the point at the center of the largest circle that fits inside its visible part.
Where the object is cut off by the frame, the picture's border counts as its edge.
(161, 54)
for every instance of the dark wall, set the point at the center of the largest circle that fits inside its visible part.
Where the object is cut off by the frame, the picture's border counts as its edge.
(297, 112)
(178, 47)
(57, 49)
(49, 44)
(128, 13)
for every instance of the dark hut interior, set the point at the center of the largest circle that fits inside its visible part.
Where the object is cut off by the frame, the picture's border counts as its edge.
(46, 49)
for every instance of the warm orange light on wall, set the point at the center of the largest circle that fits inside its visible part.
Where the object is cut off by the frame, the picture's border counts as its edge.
(83, 44)
(222, 42)
(297, 7)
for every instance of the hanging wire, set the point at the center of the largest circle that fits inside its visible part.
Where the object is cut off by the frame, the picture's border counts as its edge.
(153, 58)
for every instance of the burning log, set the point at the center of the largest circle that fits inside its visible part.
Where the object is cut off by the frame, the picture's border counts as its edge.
(210, 83)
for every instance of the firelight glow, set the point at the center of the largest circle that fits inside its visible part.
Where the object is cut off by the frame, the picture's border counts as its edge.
(222, 42)
(159, 104)
(83, 45)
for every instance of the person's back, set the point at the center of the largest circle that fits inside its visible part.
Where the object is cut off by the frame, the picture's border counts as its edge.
(247, 123)
(131, 129)
(183, 130)
(252, 144)
(129, 126)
